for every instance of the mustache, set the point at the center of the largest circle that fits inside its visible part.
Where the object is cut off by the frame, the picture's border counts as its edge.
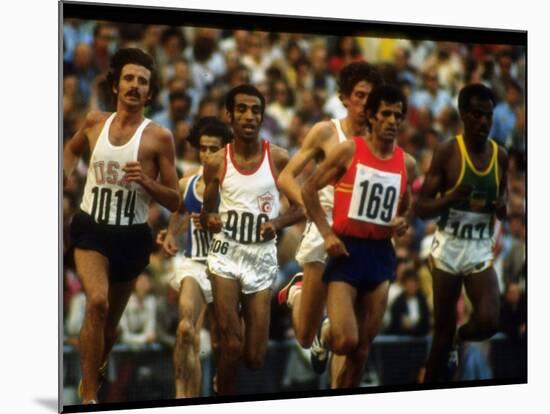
(134, 93)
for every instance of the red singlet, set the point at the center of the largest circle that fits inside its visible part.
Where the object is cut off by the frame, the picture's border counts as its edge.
(367, 197)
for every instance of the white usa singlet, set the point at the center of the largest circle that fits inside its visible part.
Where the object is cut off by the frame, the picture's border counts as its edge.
(247, 198)
(108, 198)
(326, 194)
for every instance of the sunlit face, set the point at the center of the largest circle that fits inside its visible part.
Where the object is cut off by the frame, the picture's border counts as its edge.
(356, 101)
(133, 87)
(208, 145)
(478, 119)
(246, 117)
(387, 121)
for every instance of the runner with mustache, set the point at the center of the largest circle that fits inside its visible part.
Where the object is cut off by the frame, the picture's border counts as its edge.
(466, 188)
(371, 177)
(110, 235)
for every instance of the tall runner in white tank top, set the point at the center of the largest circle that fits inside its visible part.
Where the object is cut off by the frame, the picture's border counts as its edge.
(132, 162)
(242, 262)
(108, 198)
(305, 293)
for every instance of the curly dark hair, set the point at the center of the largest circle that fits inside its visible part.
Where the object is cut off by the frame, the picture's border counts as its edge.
(211, 126)
(475, 89)
(355, 72)
(386, 93)
(137, 57)
(244, 89)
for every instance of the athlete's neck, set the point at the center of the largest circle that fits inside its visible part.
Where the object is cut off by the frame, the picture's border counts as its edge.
(381, 148)
(475, 146)
(247, 148)
(124, 116)
(353, 128)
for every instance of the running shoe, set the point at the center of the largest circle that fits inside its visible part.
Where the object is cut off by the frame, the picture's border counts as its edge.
(452, 363)
(319, 353)
(297, 280)
(102, 375)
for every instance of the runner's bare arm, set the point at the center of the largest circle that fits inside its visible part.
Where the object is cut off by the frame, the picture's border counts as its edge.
(163, 191)
(294, 213)
(330, 171)
(427, 205)
(78, 142)
(402, 221)
(212, 175)
(310, 149)
(177, 224)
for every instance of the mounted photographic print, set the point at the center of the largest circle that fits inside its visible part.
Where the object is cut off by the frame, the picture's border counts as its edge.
(269, 207)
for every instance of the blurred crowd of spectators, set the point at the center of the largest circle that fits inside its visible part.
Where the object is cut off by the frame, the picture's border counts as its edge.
(297, 73)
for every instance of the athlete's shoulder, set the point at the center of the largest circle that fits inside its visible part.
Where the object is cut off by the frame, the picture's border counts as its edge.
(326, 128)
(183, 182)
(158, 131)
(502, 153)
(447, 147)
(279, 157)
(93, 118)
(320, 133)
(348, 145)
(278, 152)
(344, 151)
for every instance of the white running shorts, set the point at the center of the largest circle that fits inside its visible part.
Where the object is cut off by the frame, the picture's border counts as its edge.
(253, 265)
(312, 246)
(185, 267)
(460, 256)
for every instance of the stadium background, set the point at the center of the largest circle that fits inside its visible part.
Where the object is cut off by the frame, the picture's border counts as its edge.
(291, 65)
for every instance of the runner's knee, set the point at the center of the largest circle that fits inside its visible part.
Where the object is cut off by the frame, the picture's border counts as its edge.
(186, 332)
(98, 304)
(231, 346)
(304, 338)
(344, 344)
